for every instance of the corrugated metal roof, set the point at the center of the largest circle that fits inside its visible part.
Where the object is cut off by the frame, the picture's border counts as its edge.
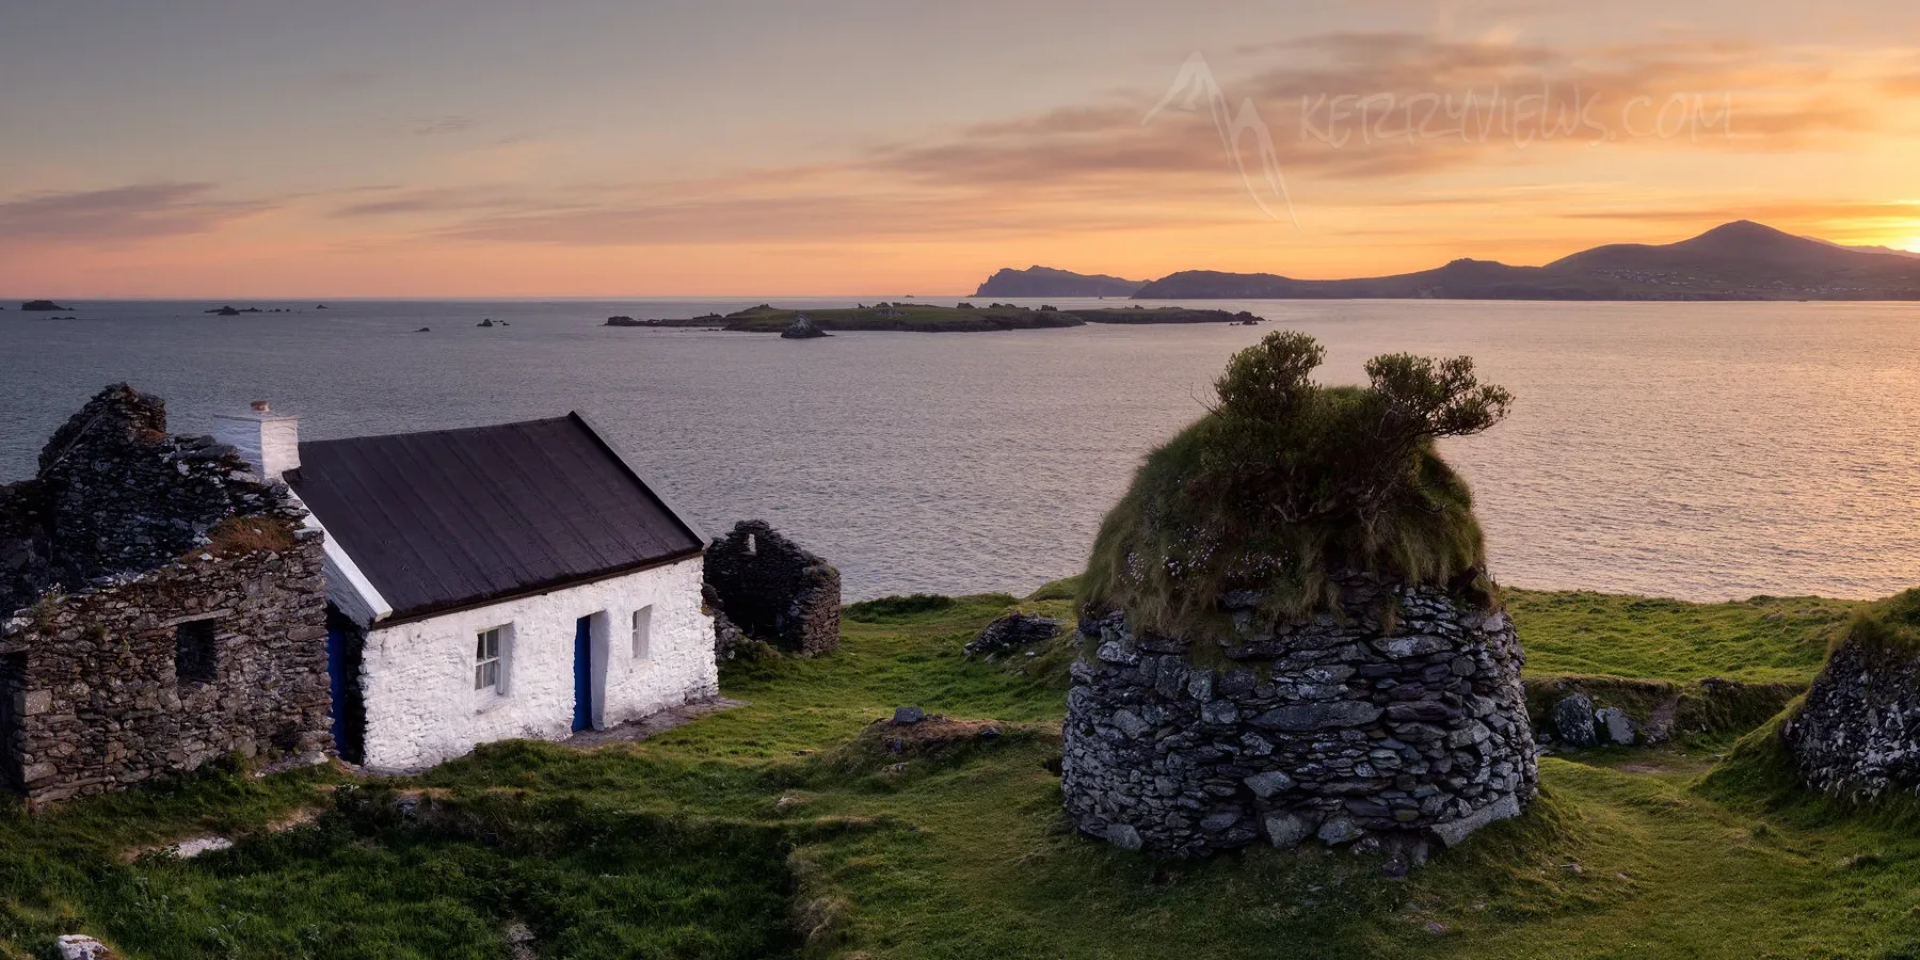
(455, 518)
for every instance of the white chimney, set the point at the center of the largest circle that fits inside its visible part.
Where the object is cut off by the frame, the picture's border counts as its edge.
(269, 441)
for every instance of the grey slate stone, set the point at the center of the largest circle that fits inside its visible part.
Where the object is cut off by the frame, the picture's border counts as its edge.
(1338, 830)
(1573, 721)
(1319, 716)
(1451, 832)
(1285, 830)
(1267, 784)
(1131, 724)
(1616, 724)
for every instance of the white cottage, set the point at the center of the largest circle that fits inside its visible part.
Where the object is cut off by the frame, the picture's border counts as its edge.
(519, 580)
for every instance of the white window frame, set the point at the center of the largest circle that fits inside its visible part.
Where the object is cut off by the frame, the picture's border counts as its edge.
(493, 666)
(643, 633)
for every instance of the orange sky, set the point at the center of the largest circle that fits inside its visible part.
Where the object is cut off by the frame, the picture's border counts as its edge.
(590, 148)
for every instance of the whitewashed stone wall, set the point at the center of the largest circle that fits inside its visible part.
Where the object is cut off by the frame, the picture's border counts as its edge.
(417, 678)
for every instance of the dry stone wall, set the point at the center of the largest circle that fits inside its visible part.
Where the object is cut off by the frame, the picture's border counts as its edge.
(1368, 728)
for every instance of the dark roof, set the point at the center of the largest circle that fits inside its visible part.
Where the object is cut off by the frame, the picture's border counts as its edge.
(455, 518)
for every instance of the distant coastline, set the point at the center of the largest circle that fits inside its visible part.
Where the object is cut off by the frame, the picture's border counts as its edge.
(1735, 261)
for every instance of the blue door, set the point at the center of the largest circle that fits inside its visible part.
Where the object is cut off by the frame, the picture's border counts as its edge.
(343, 680)
(583, 674)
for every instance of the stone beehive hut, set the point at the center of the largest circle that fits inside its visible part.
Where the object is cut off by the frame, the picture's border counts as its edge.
(1857, 733)
(1289, 634)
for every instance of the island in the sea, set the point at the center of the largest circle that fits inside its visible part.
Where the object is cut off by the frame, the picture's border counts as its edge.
(1742, 260)
(928, 318)
(1039, 281)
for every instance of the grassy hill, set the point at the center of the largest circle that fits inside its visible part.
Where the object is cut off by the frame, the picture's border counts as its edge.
(776, 830)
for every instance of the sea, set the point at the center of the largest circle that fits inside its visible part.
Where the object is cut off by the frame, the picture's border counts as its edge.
(1705, 451)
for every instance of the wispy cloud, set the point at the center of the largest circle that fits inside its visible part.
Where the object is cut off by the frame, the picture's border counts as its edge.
(1094, 166)
(129, 213)
(448, 124)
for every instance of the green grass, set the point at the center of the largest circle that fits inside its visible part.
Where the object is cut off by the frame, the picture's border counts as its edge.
(1762, 640)
(750, 834)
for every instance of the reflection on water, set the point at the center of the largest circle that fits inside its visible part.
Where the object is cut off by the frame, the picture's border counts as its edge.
(1695, 450)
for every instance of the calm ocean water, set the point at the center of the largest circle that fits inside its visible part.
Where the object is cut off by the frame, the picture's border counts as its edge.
(1705, 451)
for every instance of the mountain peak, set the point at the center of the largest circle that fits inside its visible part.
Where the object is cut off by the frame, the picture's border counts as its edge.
(1744, 228)
(1745, 238)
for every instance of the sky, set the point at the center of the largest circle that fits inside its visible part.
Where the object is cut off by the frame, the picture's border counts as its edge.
(846, 147)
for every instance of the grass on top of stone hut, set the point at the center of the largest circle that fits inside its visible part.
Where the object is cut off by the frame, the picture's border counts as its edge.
(1891, 624)
(1286, 483)
(757, 833)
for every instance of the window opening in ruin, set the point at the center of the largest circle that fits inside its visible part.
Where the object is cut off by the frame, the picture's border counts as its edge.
(13, 676)
(196, 656)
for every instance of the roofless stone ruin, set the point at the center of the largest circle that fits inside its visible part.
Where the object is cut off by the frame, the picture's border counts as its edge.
(1289, 628)
(766, 586)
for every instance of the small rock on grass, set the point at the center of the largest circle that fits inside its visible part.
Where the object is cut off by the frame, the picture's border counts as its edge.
(74, 946)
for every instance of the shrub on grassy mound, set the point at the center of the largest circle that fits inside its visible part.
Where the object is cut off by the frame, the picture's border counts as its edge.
(1289, 632)
(1287, 482)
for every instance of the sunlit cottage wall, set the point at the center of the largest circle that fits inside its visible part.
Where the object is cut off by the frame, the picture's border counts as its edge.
(418, 678)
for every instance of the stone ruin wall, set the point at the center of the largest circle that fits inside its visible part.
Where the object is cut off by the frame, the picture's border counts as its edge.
(123, 495)
(773, 590)
(1345, 728)
(1857, 734)
(116, 494)
(93, 695)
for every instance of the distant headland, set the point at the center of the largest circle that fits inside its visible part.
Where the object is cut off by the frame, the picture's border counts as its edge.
(1742, 260)
(1048, 282)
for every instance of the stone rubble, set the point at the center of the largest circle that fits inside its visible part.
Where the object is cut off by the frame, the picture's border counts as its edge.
(1011, 632)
